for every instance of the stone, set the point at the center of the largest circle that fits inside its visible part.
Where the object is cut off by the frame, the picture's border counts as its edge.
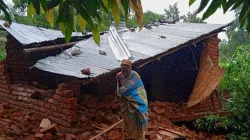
(51, 129)
(45, 123)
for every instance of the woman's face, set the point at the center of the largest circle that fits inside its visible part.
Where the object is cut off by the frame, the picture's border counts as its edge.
(126, 70)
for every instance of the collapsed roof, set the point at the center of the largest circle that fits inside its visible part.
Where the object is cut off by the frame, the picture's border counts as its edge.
(142, 45)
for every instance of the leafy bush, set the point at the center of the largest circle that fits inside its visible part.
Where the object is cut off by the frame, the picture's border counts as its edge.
(237, 81)
(213, 123)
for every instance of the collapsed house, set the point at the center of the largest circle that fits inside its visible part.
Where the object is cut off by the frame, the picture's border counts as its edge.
(177, 63)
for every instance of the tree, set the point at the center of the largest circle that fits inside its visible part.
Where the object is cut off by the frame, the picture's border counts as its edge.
(148, 18)
(191, 18)
(236, 36)
(20, 5)
(172, 13)
(235, 81)
(243, 17)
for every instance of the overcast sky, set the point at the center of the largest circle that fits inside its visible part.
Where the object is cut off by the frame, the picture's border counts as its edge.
(158, 6)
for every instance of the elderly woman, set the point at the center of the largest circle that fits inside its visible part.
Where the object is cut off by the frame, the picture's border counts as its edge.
(135, 105)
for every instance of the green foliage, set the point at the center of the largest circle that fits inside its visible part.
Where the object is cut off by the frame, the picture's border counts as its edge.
(89, 10)
(2, 45)
(172, 13)
(191, 18)
(213, 123)
(236, 37)
(236, 80)
(213, 5)
(20, 5)
(148, 18)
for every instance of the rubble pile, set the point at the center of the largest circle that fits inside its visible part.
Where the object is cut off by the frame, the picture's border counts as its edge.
(94, 116)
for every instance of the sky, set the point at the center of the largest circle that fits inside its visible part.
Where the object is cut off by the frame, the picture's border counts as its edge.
(158, 6)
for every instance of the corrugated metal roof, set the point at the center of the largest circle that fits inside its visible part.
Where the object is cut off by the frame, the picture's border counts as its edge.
(141, 45)
(30, 34)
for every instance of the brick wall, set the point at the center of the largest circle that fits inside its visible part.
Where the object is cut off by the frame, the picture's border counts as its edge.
(58, 105)
(213, 48)
(211, 103)
(15, 61)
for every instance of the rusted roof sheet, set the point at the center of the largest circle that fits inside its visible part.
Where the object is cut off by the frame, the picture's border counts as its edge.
(30, 34)
(142, 45)
(207, 80)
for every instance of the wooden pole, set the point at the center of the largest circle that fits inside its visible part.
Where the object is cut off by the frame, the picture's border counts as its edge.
(105, 131)
(49, 48)
(174, 132)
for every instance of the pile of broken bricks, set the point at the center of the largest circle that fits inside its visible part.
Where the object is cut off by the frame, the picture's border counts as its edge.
(95, 118)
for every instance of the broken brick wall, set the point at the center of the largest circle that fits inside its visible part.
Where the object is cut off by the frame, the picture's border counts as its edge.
(18, 89)
(15, 61)
(101, 86)
(212, 103)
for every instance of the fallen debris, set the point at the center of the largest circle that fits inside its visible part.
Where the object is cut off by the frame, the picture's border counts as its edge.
(105, 131)
(76, 52)
(51, 129)
(174, 132)
(86, 71)
(20, 124)
(102, 52)
(2, 112)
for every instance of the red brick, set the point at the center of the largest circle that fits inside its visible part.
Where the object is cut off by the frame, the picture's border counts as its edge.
(58, 121)
(63, 117)
(59, 109)
(41, 103)
(53, 107)
(26, 99)
(66, 124)
(68, 112)
(15, 92)
(72, 118)
(4, 86)
(71, 106)
(51, 100)
(63, 86)
(23, 93)
(55, 102)
(3, 82)
(30, 90)
(70, 100)
(30, 106)
(59, 92)
(37, 108)
(47, 105)
(50, 112)
(6, 91)
(13, 97)
(57, 97)
(68, 93)
(33, 101)
(42, 109)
